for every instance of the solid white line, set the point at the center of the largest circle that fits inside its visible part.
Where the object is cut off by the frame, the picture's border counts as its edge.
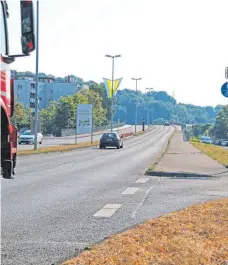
(141, 203)
(142, 180)
(129, 191)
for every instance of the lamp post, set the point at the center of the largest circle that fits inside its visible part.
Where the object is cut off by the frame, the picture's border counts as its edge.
(147, 117)
(149, 90)
(37, 70)
(136, 109)
(151, 110)
(113, 57)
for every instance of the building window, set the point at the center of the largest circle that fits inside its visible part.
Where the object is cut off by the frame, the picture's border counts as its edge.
(18, 96)
(32, 85)
(32, 95)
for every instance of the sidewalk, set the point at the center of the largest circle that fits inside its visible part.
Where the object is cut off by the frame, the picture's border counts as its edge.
(183, 157)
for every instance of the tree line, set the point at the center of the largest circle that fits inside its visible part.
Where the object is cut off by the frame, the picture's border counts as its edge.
(157, 105)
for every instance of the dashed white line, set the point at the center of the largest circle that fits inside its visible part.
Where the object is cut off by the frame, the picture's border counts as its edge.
(142, 201)
(108, 210)
(142, 180)
(129, 191)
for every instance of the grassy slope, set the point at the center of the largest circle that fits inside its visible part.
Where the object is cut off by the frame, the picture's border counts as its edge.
(216, 152)
(196, 235)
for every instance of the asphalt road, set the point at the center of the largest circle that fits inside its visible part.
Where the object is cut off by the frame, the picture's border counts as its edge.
(48, 210)
(54, 141)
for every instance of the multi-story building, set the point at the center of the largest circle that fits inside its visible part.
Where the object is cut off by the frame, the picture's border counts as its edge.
(49, 90)
(24, 92)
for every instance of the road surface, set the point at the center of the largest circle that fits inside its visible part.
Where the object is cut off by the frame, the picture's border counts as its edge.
(54, 141)
(57, 203)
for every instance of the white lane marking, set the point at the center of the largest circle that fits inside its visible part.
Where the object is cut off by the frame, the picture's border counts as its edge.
(129, 191)
(112, 206)
(142, 201)
(108, 210)
(142, 180)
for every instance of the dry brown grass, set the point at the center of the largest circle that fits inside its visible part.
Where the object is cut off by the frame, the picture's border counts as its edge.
(216, 152)
(197, 235)
(59, 148)
(139, 133)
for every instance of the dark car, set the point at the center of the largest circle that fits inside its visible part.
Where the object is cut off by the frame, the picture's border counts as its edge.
(111, 139)
(166, 124)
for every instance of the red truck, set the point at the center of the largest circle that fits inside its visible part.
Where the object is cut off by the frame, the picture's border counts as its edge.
(8, 130)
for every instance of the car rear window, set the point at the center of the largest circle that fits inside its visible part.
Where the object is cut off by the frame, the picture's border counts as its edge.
(110, 135)
(27, 133)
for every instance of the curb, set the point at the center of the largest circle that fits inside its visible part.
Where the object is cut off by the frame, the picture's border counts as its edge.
(178, 174)
(161, 154)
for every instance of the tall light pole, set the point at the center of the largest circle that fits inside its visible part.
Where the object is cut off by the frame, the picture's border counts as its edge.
(37, 70)
(147, 117)
(136, 109)
(150, 89)
(113, 57)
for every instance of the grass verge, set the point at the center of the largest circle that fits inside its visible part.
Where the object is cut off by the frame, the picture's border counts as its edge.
(139, 133)
(60, 148)
(196, 235)
(216, 152)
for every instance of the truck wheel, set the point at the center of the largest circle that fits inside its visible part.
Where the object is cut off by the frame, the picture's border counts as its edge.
(7, 170)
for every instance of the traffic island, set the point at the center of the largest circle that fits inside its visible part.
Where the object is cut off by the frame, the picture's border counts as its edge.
(196, 235)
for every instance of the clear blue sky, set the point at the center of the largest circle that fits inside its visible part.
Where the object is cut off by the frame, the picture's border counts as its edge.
(173, 45)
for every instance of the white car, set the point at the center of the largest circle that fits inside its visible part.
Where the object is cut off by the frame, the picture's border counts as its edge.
(206, 140)
(28, 137)
(224, 143)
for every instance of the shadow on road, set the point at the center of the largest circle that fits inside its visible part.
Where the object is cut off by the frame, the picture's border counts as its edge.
(183, 175)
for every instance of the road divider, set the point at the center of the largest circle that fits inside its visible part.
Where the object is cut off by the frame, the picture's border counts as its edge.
(66, 147)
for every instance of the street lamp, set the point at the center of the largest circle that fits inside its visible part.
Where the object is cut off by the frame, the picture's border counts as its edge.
(147, 117)
(151, 110)
(37, 77)
(113, 57)
(136, 109)
(149, 88)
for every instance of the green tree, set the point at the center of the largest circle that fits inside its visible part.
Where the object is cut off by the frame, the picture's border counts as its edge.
(20, 118)
(47, 118)
(222, 123)
(65, 114)
(92, 97)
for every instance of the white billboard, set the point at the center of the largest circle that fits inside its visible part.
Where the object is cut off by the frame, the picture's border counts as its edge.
(84, 118)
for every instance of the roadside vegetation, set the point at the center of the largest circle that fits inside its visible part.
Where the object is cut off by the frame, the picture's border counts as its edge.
(216, 152)
(60, 148)
(162, 107)
(196, 235)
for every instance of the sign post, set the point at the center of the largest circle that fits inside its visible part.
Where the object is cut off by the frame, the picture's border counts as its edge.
(226, 73)
(84, 119)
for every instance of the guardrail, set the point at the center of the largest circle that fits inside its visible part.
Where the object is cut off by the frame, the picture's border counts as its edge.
(124, 135)
(71, 132)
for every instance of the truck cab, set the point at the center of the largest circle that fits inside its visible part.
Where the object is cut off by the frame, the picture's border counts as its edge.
(8, 130)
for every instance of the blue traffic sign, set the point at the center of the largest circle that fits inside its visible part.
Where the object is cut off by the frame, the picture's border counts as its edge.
(224, 90)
